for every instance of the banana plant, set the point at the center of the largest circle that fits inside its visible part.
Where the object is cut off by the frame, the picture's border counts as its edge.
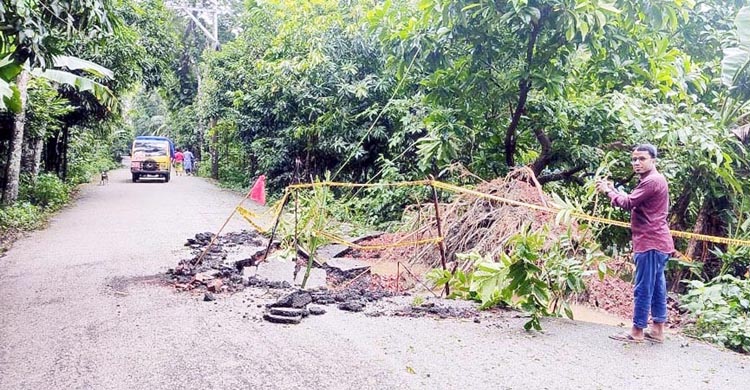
(734, 73)
(13, 98)
(10, 97)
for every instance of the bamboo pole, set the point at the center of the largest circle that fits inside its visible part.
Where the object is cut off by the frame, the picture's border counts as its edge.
(216, 236)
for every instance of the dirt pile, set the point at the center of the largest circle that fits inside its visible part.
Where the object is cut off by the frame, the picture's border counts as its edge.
(614, 293)
(470, 223)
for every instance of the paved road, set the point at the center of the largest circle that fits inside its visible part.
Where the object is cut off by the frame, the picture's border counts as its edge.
(78, 311)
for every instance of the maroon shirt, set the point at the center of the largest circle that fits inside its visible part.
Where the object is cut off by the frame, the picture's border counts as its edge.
(648, 205)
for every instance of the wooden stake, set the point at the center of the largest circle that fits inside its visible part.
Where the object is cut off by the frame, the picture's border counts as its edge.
(398, 276)
(275, 226)
(297, 267)
(441, 243)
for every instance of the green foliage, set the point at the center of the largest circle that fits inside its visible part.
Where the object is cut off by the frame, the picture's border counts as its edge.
(47, 191)
(45, 109)
(21, 216)
(721, 311)
(736, 59)
(33, 32)
(148, 115)
(233, 165)
(88, 156)
(303, 79)
(312, 214)
(533, 275)
(734, 259)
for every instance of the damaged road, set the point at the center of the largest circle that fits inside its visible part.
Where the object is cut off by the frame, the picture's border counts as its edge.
(85, 305)
(230, 263)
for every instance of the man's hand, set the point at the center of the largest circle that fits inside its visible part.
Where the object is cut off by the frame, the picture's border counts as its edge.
(604, 186)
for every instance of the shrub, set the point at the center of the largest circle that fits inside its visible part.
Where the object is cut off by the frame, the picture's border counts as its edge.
(21, 216)
(529, 276)
(48, 191)
(87, 156)
(721, 311)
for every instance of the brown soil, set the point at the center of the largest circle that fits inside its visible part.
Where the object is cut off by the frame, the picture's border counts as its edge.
(614, 293)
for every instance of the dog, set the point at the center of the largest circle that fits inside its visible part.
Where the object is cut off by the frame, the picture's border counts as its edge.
(105, 178)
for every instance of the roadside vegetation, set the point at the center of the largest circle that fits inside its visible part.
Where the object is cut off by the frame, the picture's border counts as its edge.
(383, 91)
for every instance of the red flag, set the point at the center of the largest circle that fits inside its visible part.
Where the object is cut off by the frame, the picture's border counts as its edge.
(258, 192)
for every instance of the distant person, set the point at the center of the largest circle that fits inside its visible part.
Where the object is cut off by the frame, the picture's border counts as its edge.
(179, 157)
(188, 162)
(652, 243)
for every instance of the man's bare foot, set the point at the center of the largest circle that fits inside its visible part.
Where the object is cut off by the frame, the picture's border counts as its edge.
(656, 334)
(626, 337)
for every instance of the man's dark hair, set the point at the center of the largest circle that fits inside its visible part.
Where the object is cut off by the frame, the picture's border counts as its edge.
(651, 149)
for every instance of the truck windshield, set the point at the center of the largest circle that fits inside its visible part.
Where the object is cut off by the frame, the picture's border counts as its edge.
(151, 148)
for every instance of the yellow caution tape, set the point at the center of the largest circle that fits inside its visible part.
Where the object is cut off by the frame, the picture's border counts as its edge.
(342, 241)
(358, 185)
(457, 189)
(705, 237)
(591, 218)
(249, 216)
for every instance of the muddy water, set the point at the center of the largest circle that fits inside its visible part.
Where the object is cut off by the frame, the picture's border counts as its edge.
(587, 313)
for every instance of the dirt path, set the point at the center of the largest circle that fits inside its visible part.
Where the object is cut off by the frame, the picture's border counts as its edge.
(78, 311)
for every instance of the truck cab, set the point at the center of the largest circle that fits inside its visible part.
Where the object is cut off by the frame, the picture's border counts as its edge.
(151, 156)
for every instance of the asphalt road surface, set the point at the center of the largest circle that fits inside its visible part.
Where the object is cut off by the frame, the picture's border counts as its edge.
(79, 310)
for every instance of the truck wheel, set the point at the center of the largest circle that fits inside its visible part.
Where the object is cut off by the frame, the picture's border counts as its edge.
(166, 178)
(135, 177)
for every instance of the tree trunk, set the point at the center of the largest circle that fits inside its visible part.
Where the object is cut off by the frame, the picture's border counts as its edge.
(62, 154)
(546, 155)
(27, 152)
(38, 148)
(703, 215)
(10, 192)
(214, 149)
(524, 87)
(31, 156)
(52, 154)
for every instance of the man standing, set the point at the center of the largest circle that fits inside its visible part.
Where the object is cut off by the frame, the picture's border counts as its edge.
(652, 243)
(188, 161)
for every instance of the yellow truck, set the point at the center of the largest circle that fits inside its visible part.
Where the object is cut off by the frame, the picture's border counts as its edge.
(151, 156)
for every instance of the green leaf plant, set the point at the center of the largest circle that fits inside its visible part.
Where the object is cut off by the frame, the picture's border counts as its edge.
(535, 274)
(720, 310)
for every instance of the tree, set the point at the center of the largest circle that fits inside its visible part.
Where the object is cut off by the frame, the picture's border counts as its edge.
(33, 31)
(31, 37)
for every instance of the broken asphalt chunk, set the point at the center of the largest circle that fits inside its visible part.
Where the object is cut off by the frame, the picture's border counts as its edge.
(297, 299)
(345, 264)
(281, 319)
(354, 306)
(316, 310)
(288, 312)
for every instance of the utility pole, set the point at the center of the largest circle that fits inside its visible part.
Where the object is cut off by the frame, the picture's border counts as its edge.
(198, 15)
